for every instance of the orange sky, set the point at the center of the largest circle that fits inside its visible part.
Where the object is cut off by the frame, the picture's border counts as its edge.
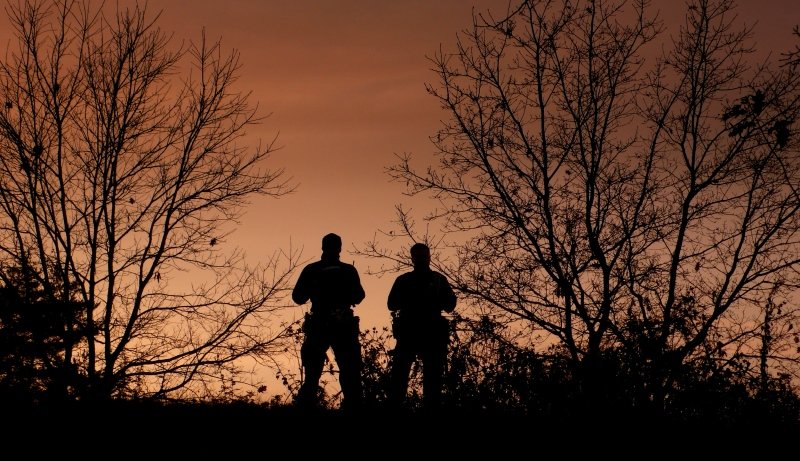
(344, 82)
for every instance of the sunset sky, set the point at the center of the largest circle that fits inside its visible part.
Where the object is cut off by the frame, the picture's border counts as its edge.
(344, 84)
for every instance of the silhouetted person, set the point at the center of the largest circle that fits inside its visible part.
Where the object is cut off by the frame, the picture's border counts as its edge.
(417, 300)
(334, 288)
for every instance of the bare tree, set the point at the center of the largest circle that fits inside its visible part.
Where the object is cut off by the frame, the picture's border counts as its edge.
(608, 201)
(124, 168)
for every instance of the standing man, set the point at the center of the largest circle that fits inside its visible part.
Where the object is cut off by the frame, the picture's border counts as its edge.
(334, 288)
(417, 300)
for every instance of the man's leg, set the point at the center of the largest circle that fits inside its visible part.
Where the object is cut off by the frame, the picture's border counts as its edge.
(347, 350)
(312, 354)
(434, 358)
(400, 367)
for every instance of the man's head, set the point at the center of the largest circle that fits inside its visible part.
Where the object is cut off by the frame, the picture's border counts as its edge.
(420, 256)
(331, 244)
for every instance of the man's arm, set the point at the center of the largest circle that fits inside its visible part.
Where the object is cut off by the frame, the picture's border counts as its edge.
(396, 299)
(358, 293)
(302, 293)
(448, 297)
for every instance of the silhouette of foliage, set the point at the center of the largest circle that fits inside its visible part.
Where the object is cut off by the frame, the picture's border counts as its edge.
(377, 356)
(639, 215)
(493, 376)
(124, 165)
(35, 335)
(375, 351)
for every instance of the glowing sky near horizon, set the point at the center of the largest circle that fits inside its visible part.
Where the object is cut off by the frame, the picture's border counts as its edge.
(343, 82)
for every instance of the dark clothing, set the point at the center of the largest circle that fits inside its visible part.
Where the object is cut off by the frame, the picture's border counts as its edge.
(341, 335)
(330, 284)
(333, 288)
(417, 300)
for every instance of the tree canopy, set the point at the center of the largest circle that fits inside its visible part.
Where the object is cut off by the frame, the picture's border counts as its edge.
(124, 164)
(612, 187)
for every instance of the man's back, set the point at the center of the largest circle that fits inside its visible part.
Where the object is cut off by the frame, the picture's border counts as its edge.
(421, 293)
(330, 285)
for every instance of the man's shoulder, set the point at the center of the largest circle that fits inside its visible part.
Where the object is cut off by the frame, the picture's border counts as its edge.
(347, 267)
(315, 267)
(323, 264)
(426, 274)
(312, 266)
(406, 275)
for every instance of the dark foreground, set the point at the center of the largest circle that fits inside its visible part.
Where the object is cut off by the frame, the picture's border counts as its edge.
(125, 430)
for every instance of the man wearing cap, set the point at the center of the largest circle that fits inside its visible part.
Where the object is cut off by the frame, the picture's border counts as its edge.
(334, 288)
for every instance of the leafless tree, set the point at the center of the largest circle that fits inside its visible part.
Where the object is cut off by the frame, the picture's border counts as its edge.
(793, 57)
(124, 168)
(606, 200)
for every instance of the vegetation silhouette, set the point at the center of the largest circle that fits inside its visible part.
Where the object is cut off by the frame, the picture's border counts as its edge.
(601, 292)
(622, 200)
(34, 333)
(488, 378)
(122, 167)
